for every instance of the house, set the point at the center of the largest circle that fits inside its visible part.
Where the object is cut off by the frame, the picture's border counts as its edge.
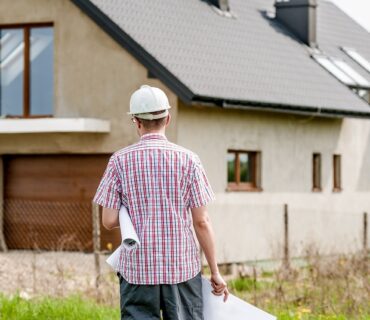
(273, 97)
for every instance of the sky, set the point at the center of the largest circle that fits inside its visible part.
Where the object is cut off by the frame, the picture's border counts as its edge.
(359, 10)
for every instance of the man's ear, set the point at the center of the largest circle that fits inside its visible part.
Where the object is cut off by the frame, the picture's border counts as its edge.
(168, 120)
(138, 123)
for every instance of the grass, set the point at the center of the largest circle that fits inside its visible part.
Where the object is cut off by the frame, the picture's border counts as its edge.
(52, 308)
(326, 288)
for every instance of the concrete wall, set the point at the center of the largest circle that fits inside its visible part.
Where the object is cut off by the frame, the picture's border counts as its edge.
(93, 77)
(249, 225)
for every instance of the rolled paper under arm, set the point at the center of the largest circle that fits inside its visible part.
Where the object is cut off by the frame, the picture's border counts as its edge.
(129, 238)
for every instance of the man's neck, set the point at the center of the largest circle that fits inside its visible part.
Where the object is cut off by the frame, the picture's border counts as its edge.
(152, 132)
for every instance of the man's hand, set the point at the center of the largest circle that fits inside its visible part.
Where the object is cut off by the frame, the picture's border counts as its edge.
(219, 286)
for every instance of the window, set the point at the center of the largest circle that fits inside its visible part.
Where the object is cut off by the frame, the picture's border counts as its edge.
(316, 172)
(337, 183)
(334, 70)
(360, 80)
(357, 57)
(26, 70)
(244, 170)
(342, 71)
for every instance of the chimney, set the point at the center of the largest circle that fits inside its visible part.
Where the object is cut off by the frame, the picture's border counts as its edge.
(300, 17)
(221, 4)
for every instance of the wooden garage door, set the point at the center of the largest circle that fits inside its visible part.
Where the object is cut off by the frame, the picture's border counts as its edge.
(48, 201)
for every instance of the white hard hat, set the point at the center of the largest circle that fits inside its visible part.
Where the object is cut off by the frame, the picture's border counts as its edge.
(146, 100)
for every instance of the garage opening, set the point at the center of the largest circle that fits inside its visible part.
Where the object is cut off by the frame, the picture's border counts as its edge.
(47, 202)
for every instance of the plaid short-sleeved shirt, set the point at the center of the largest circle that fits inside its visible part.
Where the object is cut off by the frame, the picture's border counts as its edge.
(158, 182)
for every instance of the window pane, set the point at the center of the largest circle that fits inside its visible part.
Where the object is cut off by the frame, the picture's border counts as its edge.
(337, 171)
(245, 167)
(231, 167)
(11, 71)
(360, 80)
(41, 55)
(316, 171)
(357, 57)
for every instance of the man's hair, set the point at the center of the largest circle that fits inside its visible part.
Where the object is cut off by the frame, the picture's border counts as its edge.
(154, 124)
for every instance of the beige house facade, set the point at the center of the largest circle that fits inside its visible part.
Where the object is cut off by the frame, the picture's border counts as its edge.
(93, 78)
(250, 225)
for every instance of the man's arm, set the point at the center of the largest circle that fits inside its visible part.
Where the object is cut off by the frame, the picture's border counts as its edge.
(204, 232)
(110, 218)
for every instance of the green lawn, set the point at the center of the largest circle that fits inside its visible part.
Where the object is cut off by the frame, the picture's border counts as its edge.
(47, 308)
(77, 309)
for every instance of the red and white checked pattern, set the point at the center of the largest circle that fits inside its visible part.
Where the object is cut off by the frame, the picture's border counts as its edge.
(158, 182)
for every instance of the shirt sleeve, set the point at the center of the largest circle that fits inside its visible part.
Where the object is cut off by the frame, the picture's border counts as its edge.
(108, 194)
(201, 192)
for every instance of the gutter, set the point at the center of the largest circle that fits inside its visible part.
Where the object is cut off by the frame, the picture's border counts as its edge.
(277, 107)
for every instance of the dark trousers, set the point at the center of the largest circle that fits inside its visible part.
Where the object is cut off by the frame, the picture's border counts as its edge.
(182, 301)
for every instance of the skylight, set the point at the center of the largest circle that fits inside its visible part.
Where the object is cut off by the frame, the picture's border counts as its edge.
(352, 73)
(357, 57)
(342, 71)
(334, 70)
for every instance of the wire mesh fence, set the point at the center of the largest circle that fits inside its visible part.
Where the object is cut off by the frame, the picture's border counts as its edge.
(56, 248)
(52, 225)
(46, 225)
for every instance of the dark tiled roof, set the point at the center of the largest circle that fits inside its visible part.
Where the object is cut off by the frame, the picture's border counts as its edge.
(250, 60)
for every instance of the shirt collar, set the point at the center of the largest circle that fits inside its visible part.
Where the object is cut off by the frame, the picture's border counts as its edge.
(151, 136)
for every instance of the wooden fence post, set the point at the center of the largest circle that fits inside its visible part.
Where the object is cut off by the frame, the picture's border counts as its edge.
(364, 240)
(3, 246)
(96, 244)
(286, 262)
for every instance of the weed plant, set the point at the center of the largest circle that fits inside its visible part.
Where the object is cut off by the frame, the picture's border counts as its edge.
(336, 287)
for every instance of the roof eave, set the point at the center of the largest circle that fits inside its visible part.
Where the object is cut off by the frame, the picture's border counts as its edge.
(277, 107)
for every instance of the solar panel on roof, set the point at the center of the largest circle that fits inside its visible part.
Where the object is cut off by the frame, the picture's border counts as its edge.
(357, 57)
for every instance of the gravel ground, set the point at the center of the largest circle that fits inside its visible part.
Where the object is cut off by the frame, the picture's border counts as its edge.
(55, 274)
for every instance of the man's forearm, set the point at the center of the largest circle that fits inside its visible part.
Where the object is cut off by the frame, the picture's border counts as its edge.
(204, 232)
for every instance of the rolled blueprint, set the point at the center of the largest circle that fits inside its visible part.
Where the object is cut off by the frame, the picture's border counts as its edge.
(214, 308)
(128, 235)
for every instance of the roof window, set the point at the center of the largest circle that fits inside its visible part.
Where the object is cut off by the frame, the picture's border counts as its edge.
(342, 71)
(357, 57)
(360, 80)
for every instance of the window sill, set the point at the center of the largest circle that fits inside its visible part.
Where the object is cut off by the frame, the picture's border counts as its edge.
(54, 125)
(242, 188)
